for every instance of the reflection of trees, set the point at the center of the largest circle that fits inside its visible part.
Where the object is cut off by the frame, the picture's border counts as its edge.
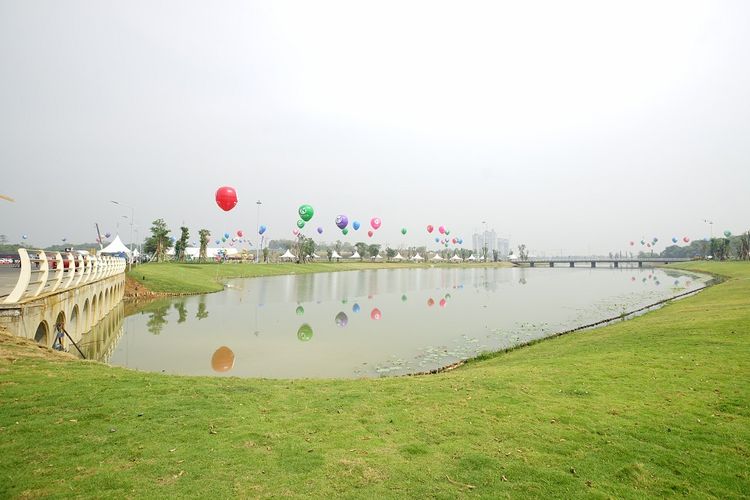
(157, 319)
(181, 310)
(202, 312)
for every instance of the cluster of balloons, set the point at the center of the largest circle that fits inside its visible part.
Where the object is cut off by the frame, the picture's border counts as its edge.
(444, 241)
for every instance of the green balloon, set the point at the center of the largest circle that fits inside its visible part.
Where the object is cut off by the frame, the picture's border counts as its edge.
(403, 298)
(345, 231)
(403, 230)
(306, 212)
(447, 232)
(727, 233)
(300, 223)
(304, 333)
(300, 310)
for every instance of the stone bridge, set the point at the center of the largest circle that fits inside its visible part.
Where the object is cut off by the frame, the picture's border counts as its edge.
(77, 290)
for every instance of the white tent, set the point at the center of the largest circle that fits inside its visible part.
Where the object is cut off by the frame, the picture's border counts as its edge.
(471, 257)
(116, 247)
(355, 255)
(456, 258)
(398, 257)
(335, 255)
(288, 255)
(417, 257)
(437, 257)
(378, 256)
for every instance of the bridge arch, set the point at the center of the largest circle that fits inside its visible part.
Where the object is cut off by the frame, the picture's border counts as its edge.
(100, 304)
(74, 321)
(42, 333)
(85, 316)
(94, 310)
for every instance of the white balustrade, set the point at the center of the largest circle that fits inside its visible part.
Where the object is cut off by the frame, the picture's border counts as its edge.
(35, 278)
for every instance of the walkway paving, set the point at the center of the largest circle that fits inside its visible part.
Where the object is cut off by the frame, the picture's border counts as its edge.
(8, 278)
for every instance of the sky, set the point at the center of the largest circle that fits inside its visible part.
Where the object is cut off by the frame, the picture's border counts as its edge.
(570, 127)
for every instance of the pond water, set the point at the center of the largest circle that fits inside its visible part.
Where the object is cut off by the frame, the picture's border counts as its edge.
(373, 323)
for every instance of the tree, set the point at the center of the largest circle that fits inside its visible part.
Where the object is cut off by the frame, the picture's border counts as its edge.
(522, 255)
(181, 244)
(307, 248)
(494, 255)
(329, 253)
(265, 254)
(158, 243)
(390, 253)
(361, 249)
(205, 237)
(373, 250)
(743, 246)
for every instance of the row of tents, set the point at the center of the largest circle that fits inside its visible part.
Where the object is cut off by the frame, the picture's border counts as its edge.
(288, 255)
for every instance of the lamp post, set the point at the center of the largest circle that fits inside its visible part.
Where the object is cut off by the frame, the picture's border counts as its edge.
(132, 215)
(711, 231)
(259, 248)
(484, 240)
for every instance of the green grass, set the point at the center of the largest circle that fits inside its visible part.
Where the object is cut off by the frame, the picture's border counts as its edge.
(203, 278)
(655, 406)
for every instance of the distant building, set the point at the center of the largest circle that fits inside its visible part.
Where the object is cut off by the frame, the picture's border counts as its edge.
(503, 247)
(490, 240)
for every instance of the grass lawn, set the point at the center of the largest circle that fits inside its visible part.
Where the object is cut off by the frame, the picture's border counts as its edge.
(172, 277)
(657, 405)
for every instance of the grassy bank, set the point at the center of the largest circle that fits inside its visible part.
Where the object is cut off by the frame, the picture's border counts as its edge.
(205, 278)
(654, 406)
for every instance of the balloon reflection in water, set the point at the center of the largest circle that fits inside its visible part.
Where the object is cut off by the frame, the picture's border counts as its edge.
(299, 311)
(442, 302)
(342, 319)
(222, 360)
(356, 308)
(430, 302)
(304, 333)
(403, 298)
(376, 314)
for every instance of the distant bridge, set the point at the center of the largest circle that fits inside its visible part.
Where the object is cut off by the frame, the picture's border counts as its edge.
(77, 290)
(592, 262)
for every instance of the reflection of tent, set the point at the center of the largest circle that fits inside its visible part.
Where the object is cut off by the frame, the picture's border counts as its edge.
(355, 255)
(335, 255)
(471, 257)
(398, 257)
(456, 258)
(288, 255)
(437, 257)
(417, 257)
(115, 248)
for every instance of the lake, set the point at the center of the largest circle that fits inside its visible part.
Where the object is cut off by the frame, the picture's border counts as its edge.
(370, 323)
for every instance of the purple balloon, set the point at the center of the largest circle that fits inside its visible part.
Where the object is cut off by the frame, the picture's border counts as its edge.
(342, 221)
(320, 230)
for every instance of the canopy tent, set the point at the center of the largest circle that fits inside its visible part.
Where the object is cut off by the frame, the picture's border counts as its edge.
(313, 255)
(471, 257)
(288, 255)
(437, 257)
(417, 257)
(398, 257)
(456, 258)
(335, 255)
(115, 248)
(355, 255)
(378, 256)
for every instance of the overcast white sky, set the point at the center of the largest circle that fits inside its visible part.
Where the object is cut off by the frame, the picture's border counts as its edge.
(568, 126)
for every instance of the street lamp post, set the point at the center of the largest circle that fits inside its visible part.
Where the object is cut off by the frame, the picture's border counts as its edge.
(132, 215)
(484, 240)
(259, 248)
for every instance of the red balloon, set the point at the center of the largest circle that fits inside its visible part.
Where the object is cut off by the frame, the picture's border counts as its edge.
(430, 302)
(685, 239)
(376, 314)
(430, 228)
(442, 302)
(370, 233)
(239, 233)
(226, 198)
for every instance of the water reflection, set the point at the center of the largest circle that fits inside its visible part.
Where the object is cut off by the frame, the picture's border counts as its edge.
(99, 342)
(222, 359)
(403, 332)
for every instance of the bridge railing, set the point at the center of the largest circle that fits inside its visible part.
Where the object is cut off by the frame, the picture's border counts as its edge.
(50, 272)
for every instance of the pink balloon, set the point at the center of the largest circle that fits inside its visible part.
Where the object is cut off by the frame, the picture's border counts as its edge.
(375, 222)
(370, 233)
(376, 314)
(441, 229)
(239, 233)
(442, 302)
(295, 232)
(685, 239)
